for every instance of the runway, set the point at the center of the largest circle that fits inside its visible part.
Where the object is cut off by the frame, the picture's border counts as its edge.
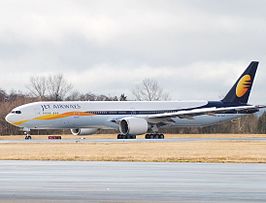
(131, 140)
(52, 181)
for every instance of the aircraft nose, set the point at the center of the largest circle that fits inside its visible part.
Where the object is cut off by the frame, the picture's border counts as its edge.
(8, 118)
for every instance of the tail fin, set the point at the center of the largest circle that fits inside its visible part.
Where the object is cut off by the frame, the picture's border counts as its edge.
(241, 90)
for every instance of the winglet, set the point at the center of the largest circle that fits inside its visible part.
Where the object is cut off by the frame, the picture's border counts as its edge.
(240, 92)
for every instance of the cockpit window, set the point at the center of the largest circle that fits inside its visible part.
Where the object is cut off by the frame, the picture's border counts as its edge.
(16, 112)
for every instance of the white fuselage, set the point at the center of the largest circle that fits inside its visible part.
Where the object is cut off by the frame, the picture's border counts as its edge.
(104, 114)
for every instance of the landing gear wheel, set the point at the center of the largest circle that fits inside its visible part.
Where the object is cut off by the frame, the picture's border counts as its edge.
(119, 136)
(161, 136)
(27, 137)
(122, 136)
(133, 137)
(27, 133)
(154, 136)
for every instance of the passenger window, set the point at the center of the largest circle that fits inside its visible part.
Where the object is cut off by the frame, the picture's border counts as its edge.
(18, 112)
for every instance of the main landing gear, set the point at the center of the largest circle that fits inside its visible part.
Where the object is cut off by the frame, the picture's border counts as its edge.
(147, 136)
(122, 136)
(154, 136)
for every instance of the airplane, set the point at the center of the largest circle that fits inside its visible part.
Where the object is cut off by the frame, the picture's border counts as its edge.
(132, 118)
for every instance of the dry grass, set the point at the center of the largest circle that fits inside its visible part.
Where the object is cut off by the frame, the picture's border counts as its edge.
(193, 151)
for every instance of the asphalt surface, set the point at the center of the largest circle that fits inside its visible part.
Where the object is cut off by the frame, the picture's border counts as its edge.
(130, 140)
(64, 181)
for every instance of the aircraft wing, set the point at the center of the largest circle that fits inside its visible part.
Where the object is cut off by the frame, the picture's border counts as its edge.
(189, 114)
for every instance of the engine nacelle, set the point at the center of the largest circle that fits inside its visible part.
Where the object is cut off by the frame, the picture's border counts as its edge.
(133, 126)
(83, 131)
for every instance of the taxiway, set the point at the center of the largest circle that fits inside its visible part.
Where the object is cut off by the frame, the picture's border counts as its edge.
(262, 139)
(66, 181)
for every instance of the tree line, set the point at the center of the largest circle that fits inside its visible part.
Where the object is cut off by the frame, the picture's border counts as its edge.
(57, 88)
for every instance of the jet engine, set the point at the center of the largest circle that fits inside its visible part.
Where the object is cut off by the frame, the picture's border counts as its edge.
(83, 131)
(133, 126)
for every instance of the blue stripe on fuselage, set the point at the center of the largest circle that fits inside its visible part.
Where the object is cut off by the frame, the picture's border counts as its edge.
(217, 104)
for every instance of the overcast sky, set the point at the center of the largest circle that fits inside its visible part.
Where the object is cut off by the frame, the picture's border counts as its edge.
(196, 49)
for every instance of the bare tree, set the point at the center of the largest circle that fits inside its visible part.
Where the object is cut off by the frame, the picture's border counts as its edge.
(3, 96)
(38, 86)
(76, 96)
(261, 128)
(73, 96)
(58, 87)
(149, 90)
(88, 97)
(123, 97)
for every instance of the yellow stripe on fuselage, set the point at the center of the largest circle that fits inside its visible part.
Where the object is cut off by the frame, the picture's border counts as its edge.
(18, 123)
(63, 115)
(54, 116)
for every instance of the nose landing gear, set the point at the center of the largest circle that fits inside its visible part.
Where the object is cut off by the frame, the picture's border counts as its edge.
(27, 134)
(27, 137)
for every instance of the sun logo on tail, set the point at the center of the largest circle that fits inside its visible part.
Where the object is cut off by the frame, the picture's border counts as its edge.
(243, 85)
